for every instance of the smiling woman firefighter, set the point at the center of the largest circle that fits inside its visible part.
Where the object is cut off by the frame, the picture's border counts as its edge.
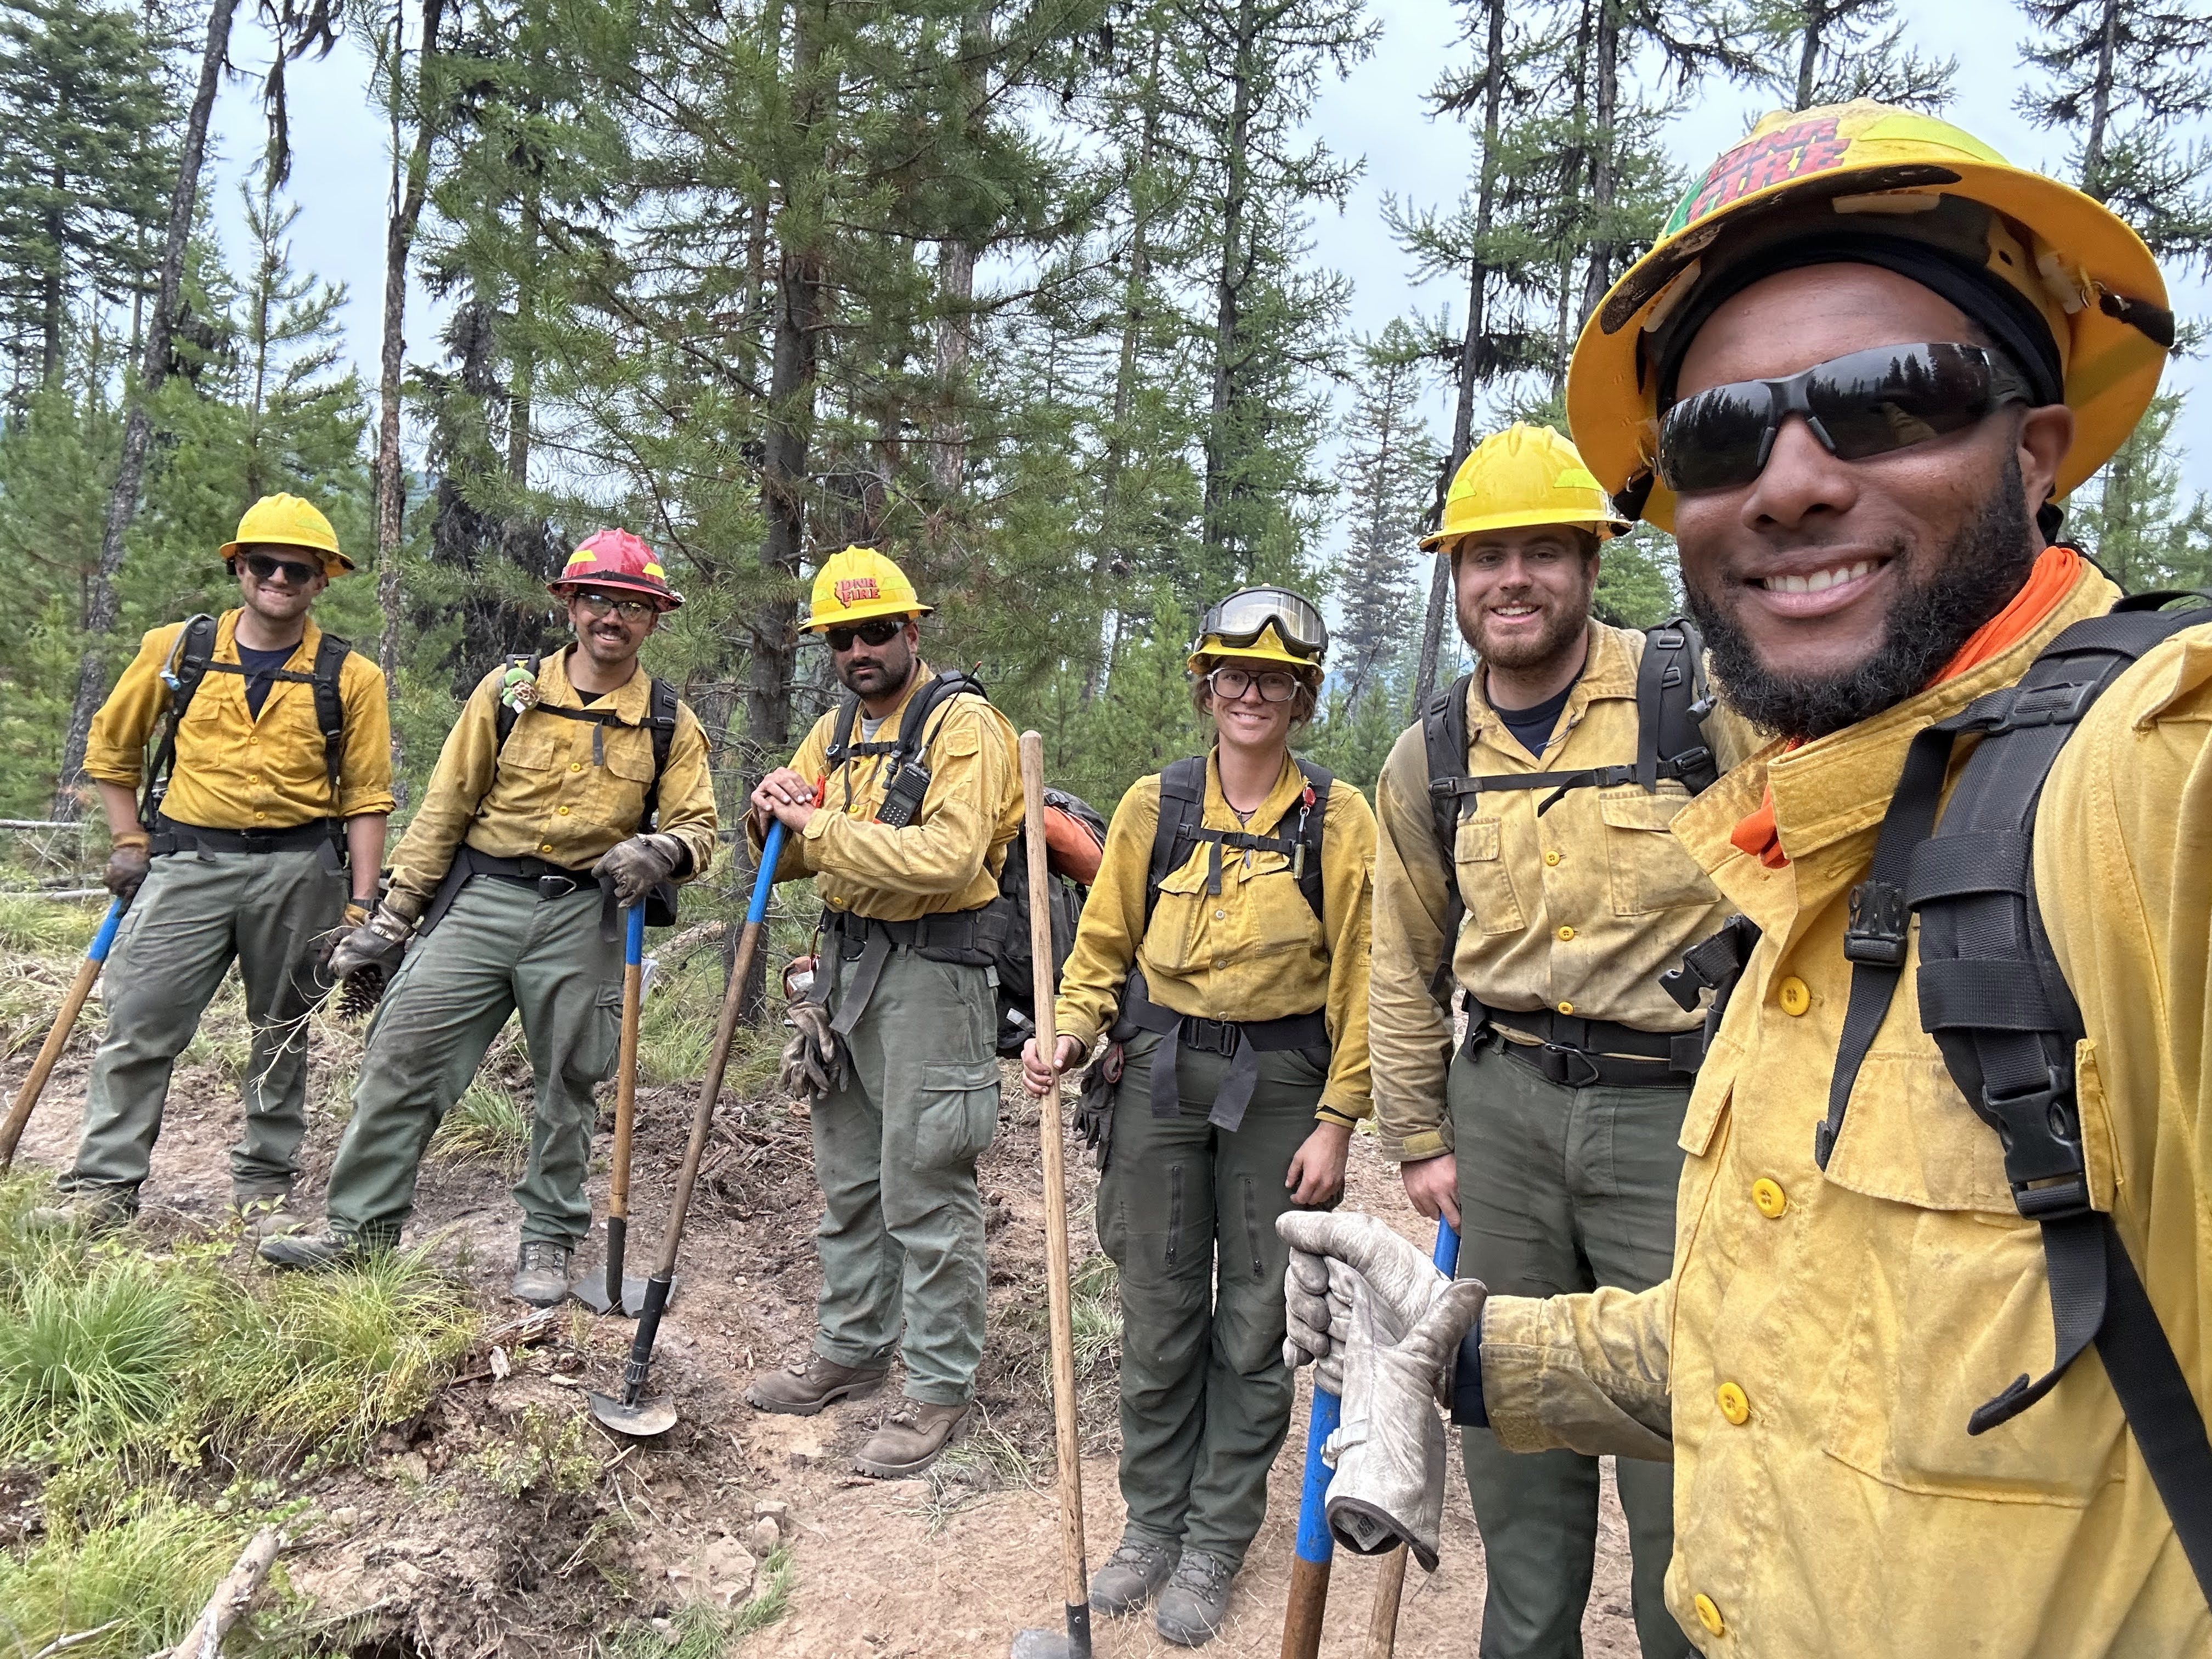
(1219, 982)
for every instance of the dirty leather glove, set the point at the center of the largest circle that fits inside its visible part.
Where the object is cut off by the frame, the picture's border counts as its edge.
(1330, 1250)
(639, 865)
(1389, 1452)
(379, 943)
(127, 864)
(815, 1062)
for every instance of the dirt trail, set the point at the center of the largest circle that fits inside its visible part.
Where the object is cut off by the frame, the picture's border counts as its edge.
(439, 1564)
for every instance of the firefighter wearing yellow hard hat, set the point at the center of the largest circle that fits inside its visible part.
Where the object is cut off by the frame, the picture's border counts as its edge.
(900, 805)
(1944, 1139)
(573, 783)
(1543, 877)
(235, 832)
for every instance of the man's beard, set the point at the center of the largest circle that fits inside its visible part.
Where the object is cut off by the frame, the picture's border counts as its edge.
(1984, 566)
(1562, 628)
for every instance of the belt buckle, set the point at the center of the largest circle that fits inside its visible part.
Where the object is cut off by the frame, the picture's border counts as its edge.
(557, 887)
(1568, 1056)
(1221, 1038)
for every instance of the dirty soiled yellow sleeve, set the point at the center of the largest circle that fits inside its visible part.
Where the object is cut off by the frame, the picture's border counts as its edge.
(1587, 1372)
(1348, 913)
(944, 849)
(115, 751)
(1409, 1033)
(795, 862)
(457, 784)
(365, 764)
(1113, 920)
(686, 809)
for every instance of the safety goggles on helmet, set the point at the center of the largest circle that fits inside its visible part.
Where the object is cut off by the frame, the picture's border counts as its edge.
(1239, 620)
(1865, 404)
(882, 631)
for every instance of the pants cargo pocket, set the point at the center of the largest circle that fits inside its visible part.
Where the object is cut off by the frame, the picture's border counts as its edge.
(959, 1112)
(600, 1045)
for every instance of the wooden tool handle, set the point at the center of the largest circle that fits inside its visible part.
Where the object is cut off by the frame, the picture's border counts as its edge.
(626, 1063)
(50, 1051)
(1076, 1572)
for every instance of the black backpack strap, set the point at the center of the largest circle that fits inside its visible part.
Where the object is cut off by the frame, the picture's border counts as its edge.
(1672, 702)
(1992, 996)
(1183, 803)
(331, 652)
(841, 735)
(1715, 963)
(186, 668)
(505, 713)
(1313, 819)
(660, 724)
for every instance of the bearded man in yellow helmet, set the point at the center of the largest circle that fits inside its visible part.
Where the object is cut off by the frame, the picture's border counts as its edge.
(900, 804)
(1520, 848)
(1950, 1128)
(244, 763)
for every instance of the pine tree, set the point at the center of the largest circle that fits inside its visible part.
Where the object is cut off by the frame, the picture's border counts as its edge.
(1387, 472)
(1831, 52)
(2143, 530)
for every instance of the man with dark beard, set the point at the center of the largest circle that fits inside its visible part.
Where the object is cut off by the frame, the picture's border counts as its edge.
(1549, 1139)
(901, 804)
(1855, 375)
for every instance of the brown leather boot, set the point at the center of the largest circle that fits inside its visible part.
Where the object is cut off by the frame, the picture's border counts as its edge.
(909, 1440)
(803, 1390)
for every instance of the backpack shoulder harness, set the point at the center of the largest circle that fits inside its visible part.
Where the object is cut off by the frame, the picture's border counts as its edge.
(1993, 997)
(191, 660)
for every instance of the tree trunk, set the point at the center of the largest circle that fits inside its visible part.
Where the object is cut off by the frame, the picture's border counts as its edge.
(101, 605)
(956, 337)
(1229, 285)
(1809, 55)
(1597, 276)
(2100, 106)
(407, 197)
(1475, 349)
(51, 288)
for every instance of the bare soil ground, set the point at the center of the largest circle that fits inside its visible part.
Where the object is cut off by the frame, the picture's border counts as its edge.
(430, 1550)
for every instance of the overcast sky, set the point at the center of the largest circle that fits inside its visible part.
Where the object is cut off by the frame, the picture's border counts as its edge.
(341, 166)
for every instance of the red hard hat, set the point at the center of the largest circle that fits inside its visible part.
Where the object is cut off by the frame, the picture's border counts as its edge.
(614, 558)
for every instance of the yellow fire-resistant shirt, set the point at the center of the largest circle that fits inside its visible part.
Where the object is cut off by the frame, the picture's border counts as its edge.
(1580, 910)
(548, 794)
(1254, 951)
(949, 857)
(233, 771)
(1826, 1335)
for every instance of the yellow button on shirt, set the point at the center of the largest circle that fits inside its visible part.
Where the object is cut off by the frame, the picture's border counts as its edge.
(1769, 1197)
(1709, 1615)
(1736, 1405)
(1793, 996)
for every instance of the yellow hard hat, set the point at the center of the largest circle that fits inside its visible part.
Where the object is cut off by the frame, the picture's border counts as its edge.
(856, 584)
(1263, 624)
(1523, 477)
(288, 521)
(1850, 177)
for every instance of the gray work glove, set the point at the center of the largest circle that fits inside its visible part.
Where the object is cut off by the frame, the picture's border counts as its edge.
(639, 865)
(1389, 1452)
(379, 943)
(815, 1061)
(1329, 1251)
(127, 865)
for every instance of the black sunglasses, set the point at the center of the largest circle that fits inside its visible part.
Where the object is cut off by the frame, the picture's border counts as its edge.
(882, 631)
(1868, 403)
(267, 569)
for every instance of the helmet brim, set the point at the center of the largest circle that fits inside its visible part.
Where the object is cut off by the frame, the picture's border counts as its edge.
(860, 613)
(335, 563)
(566, 588)
(1443, 540)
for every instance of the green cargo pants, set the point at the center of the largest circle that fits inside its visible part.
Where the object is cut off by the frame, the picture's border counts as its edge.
(902, 1232)
(501, 947)
(197, 912)
(1188, 1212)
(1560, 1190)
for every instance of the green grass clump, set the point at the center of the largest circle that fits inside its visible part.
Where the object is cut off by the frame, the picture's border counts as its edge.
(484, 1126)
(43, 926)
(549, 1455)
(139, 1579)
(699, 1630)
(90, 1362)
(1095, 1306)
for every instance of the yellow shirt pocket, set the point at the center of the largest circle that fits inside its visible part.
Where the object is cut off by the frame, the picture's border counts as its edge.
(1485, 885)
(1647, 868)
(1183, 938)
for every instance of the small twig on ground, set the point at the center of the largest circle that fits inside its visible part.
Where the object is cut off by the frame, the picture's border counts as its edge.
(77, 1639)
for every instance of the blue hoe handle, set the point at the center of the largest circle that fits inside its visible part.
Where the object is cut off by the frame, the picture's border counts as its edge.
(765, 883)
(1315, 1543)
(104, 940)
(634, 939)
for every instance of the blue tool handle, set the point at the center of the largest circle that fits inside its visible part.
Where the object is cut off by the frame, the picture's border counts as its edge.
(103, 940)
(765, 883)
(1315, 1543)
(1447, 1255)
(634, 939)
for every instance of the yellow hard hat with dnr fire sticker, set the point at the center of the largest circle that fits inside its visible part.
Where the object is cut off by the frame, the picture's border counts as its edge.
(1521, 478)
(288, 521)
(857, 584)
(2059, 282)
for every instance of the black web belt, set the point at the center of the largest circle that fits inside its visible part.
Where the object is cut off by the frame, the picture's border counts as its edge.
(1582, 1054)
(1241, 1041)
(171, 836)
(552, 881)
(868, 942)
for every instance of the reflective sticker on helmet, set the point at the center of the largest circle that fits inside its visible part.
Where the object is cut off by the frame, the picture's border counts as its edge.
(653, 570)
(1576, 477)
(1772, 158)
(853, 589)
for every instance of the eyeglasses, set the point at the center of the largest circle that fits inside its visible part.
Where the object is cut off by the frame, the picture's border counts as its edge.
(1231, 683)
(598, 605)
(882, 631)
(267, 569)
(1869, 402)
(1242, 618)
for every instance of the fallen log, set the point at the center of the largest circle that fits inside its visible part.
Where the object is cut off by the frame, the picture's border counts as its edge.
(231, 1600)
